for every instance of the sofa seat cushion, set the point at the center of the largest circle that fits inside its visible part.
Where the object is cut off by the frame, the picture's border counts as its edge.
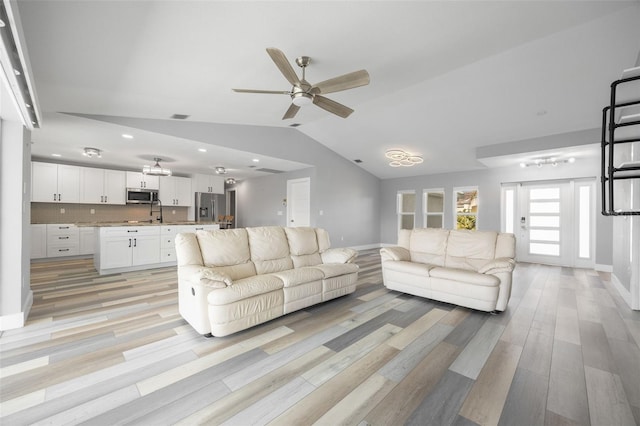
(335, 270)
(421, 269)
(294, 277)
(244, 289)
(465, 276)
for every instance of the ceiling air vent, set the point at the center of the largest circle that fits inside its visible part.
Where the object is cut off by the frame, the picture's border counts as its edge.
(357, 160)
(179, 116)
(294, 124)
(269, 171)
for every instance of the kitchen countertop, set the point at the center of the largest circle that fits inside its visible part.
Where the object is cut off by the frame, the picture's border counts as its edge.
(136, 223)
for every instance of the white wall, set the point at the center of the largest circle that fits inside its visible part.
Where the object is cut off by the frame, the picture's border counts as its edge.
(15, 186)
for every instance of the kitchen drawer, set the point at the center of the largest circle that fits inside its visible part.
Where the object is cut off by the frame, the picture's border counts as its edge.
(56, 250)
(129, 231)
(63, 239)
(61, 229)
(167, 241)
(167, 254)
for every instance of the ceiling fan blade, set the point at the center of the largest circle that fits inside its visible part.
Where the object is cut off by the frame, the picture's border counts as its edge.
(284, 66)
(291, 112)
(343, 82)
(268, 92)
(332, 106)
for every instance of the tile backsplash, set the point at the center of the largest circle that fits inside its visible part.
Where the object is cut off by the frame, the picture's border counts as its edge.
(82, 213)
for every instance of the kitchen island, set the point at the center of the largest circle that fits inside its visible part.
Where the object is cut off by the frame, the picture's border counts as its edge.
(134, 246)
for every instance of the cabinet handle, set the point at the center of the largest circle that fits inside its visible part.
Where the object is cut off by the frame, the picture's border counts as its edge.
(55, 197)
(63, 238)
(199, 229)
(132, 230)
(63, 227)
(134, 243)
(105, 198)
(59, 197)
(102, 198)
(129, 242)
(63, 249)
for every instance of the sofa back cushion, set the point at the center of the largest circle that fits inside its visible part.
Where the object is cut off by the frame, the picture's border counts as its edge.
(324, 243)
(303, 246)
(428, 245)
(506, 245)
(269, 249)
(188, 250)
(470, 249)
(404, 238)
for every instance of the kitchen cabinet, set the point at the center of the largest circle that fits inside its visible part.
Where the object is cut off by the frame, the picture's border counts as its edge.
(38, 241)
(87, 240)
(140, 180)
(102, 186)
(209, 183)
(55, 183)
(176, 191)
(62, 240)
(126, 247)
(167, 238)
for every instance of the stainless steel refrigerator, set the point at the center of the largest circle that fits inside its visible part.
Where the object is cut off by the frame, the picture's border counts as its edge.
(209, 206)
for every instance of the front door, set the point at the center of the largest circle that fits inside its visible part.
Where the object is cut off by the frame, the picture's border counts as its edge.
(555, 223)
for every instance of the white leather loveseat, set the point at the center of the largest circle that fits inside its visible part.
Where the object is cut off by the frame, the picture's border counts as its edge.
(467, 268)
(233, 279)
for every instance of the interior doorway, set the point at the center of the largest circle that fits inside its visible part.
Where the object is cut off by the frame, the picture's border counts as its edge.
(232, 207)
(299, 202)
(554, 221)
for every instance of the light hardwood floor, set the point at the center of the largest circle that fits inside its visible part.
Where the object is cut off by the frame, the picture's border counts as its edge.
(107, 350)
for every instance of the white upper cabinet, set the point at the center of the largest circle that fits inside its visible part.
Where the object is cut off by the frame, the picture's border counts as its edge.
(140, 180)
(209, 183)
(176, 191)
(55, 183)
(101, 186)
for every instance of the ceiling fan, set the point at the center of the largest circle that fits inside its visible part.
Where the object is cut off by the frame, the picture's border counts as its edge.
(303, 93)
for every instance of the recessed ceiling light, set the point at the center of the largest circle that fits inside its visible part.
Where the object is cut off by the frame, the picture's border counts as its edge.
(256, 160)
(127, 136)
(202, 150)
(56, 155)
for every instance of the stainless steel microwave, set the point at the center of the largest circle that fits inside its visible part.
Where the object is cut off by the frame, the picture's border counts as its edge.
(141, 196)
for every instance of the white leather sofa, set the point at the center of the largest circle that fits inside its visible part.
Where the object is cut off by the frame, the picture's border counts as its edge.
(233, 279)
(466, 268)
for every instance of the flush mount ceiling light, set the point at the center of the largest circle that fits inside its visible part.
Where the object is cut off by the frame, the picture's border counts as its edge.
(156, 169)
(92, 153)
(548, 161)
(221, 170)
(127, 136)
(400, 158)
(230, 181)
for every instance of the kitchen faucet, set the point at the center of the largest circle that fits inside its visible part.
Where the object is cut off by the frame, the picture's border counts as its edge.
(159, 217)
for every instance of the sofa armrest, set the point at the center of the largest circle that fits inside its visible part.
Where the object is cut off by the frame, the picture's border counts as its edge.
(206, 277)
(501, 264)
(395, 253)
(339, 255)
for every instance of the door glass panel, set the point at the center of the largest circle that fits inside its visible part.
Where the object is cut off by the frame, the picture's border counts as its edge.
(544, 235)
(545, 249)
(584, 225)
(544, 193)
(544, 207)
(509, 207)
(545, 221)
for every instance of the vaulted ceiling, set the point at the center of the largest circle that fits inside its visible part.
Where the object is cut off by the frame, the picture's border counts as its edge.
(447, 77)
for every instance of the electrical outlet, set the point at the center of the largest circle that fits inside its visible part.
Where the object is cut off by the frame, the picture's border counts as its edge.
(279, 212)
(321, 212)
(61, 211)
(341, 237)
(92, 211)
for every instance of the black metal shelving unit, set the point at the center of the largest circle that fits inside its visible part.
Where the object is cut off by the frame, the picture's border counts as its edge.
(609, 172)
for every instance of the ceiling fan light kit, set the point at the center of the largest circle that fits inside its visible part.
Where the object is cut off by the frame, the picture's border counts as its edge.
(156, 169)
(400, 158)
(302, 93)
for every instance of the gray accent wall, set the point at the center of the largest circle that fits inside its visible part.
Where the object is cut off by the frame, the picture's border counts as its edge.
(489, 183)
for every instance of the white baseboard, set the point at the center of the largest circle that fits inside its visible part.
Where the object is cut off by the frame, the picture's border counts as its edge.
(603, 268)
(624, 293)
(17, 320)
